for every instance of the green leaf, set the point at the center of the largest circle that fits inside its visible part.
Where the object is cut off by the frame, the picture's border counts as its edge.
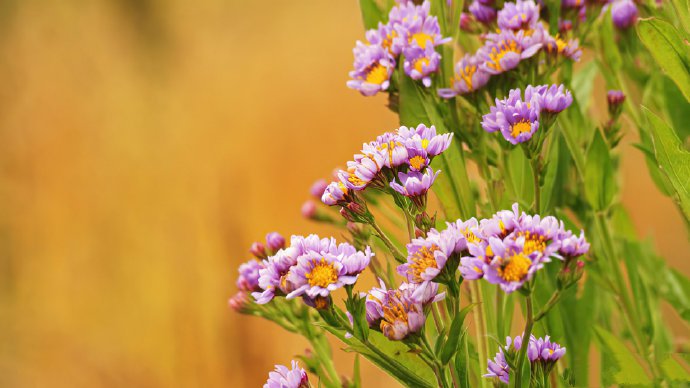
(521, 175)
(608, 44)
(582, 84)
(451, 345)
(600, 186)
(462, 362)
(668, 49)
(674, 371)
(371, 13)
(672, 159)
(625, 368)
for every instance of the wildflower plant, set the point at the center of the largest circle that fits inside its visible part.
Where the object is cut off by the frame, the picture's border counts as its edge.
(537, 238)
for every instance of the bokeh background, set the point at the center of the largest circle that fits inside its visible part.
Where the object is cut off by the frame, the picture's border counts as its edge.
(144, 144)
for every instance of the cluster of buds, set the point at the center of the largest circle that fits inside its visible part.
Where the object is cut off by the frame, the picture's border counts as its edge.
(612, 127)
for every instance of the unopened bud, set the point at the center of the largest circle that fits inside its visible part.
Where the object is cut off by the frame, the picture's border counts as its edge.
(309, 210)
(258, 250)
(318, 188)
(615, 98)
(275, 241)
(239, 302)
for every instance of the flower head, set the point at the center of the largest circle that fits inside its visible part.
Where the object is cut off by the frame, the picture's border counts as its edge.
(469, 77)
(511, 265)
(624, 13)
(425, 139)
(282, 377)
(551, 99)
(249, 276)
(498, 368)
(517, 120)
(421, 63)
(504, 51)
(373, 68)
(415, 185)
(415, 28)
(482, 12)
(541, 352)
(521, 15)
(558, 46)
(336, 193)
(275, 241)
(572, 245)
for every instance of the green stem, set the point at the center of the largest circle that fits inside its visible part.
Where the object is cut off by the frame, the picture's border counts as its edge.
(536, 171)
(555, 297)
(480, 321)
(525, 342)
(394, 250)
(500, 327)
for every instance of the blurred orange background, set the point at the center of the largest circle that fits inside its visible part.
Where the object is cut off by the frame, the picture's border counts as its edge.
(144, 146)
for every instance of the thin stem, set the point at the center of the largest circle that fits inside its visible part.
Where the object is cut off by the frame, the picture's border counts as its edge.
(555, 297)
(500, 327)
(438, 321)
(482, 347)
(536, 171)
(396, 253)
(525, 342)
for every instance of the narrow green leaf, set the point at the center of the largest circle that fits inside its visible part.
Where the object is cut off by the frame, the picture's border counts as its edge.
(521, 175)
(451, 345)
(600, 184)
(672, 159)
(609, 47)
(462, 362)
(371, 13)
(668, 49)
(674, 371)
(625, 369)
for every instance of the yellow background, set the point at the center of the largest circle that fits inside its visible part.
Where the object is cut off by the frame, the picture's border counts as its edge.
(143, 146)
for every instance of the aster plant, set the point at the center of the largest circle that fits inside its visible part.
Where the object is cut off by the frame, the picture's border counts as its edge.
(493, 210)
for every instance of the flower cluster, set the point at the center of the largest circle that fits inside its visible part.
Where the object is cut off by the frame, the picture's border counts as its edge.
(400, 312)
(521, 35)
(411, 32)
(518, 119)
(282, 377)
(508, 248)
(405, 153)
(541, 352)
(311, 267)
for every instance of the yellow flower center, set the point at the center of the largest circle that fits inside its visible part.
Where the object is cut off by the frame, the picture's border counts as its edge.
(466, 75)
(471, 237)
(417, 162)
(520, 127)
(496, 55)
(388, 42)
(425, 143)
(377, 74)
(516, 269)
(421, 39)
(420, 63)
(322, 274)
(421, 260)
(533, 242)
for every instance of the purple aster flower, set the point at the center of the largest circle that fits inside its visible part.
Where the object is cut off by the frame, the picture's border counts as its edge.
(541, 235)
(521, 15)
(572, 3)
(373, 68)
(573, 245)
(511, 266)
(415, 28)
(469, 76)
(273, 276)
(500, 224)
(482, 12)
(382, 36)
(557, 46)
(504, 51)
(390, 147)
(420, 63)
(318, 272)
(399, 313)
(424, 139)
(336, 193)
(249, 276)
(551, 99)
(363, 171)
(282, 377)
(623, 13)
(517, 120)
(498, 368)
(544, 351)
(415, 185)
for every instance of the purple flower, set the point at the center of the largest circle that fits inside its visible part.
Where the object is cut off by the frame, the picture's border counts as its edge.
(319, 273)
(390, 146)
(335, 194)
(415, 28)
(420, 63)
(239, 302)
(498, 368)
(521, 15)
(468, 78)
(273, 277)
(482, 12)
(557, 46)
(373, 68)
(425, 138)
(504, 51)
(415, 185)
(551, 99)
(511, 266)
(517, 120)
(318, 187)
(500, 224)
(363, 171)
(382, 36)
(541, 235)
(572, 3)
(249, 276)
(544, 351)
(282, 377)
(623, 13)
(541, 352)
(308, 209)
(399, 313)
(573, 245)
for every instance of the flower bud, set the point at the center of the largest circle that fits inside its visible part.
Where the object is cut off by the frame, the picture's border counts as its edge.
(258, 250)
(615, 99)
(318, 188)
(624, 13)
(274, 241)
(309, 210)
(239, 302)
